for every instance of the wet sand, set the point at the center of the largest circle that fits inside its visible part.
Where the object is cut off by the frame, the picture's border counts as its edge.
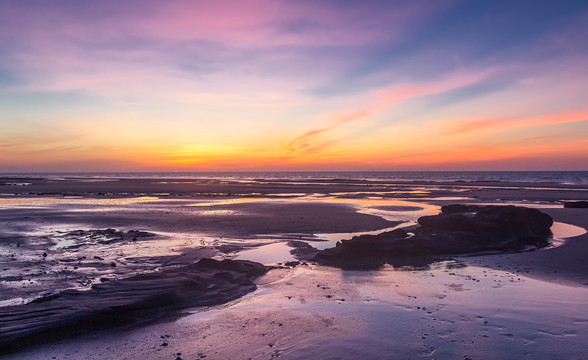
(531, 304)
(323, 313)
(566, 264)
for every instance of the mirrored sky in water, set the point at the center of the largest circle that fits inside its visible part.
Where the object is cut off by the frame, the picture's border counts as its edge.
(293, 85)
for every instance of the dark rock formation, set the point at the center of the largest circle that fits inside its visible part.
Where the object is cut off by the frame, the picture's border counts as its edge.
(458, 229)
(576, 204)
(135, 300)
(302, 249)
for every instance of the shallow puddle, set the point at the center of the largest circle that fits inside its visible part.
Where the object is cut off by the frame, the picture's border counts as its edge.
(562, 231)
(267, 254)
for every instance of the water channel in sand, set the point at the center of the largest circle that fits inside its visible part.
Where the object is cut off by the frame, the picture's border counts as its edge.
(405, 211)
(280, 252)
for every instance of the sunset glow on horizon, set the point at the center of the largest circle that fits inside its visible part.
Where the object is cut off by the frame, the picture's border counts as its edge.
(278, 85)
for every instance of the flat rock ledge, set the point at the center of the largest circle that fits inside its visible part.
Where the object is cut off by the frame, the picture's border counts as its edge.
(575, 204)
(457, 230)
(125, 303)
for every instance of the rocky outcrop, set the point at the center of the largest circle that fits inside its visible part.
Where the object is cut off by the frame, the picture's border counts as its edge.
(576, 204)
(135, 300)
(458, 229)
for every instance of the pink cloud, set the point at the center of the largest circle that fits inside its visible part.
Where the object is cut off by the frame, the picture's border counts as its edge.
(465, 126)
(377, 102)
(239, 23)
(398, 94)
(262, 23)
(456, 127)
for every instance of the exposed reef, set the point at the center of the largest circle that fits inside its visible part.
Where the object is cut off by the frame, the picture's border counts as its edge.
(458, 229)
(576, 204)
(127, 302)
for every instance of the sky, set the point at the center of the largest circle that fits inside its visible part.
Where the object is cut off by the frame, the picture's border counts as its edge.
(293, 85)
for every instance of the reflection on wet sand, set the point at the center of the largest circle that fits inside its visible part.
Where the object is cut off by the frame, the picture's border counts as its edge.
(48, 201)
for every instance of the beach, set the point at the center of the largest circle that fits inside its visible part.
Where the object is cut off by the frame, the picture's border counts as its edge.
(73, 233)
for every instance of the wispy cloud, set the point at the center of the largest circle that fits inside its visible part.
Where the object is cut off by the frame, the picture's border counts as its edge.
(465, 126)
(458, 127)
(377, 101)
(305, 142)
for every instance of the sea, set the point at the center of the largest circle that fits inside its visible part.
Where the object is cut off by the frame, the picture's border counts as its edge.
(557, 177)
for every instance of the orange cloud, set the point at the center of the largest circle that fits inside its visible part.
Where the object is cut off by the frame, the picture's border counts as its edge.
(378, 101)
(490, 152)
(456, 127)
(304, 141)
(463, 126)
(558, 119)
